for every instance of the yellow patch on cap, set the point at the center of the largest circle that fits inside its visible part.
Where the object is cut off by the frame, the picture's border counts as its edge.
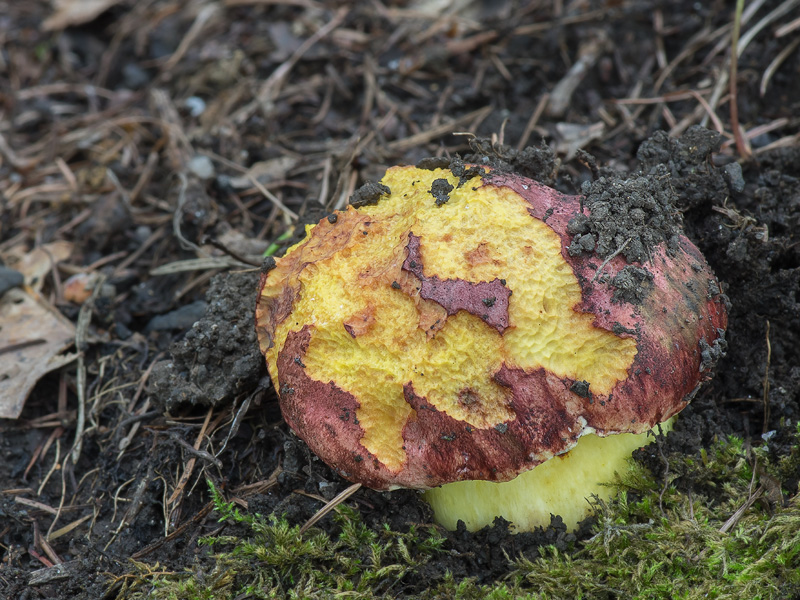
(372, 333)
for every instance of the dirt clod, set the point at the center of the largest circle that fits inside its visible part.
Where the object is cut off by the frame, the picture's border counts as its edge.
(218, 358)
(369, 193)
(627, 215)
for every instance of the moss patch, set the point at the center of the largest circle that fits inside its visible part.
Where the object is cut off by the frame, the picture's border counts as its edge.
(724, 523)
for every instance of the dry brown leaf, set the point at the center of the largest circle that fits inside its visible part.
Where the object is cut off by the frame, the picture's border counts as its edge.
(33, 338)
(243, 245)
(75, 12)
(34, 265)
(575, 136)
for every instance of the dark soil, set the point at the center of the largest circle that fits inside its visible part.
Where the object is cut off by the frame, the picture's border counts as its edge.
(118, 118)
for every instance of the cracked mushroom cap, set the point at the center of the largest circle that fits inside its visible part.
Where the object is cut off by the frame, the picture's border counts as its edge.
(443, 331)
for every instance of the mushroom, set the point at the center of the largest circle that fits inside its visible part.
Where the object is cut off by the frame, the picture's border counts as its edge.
(462, 325)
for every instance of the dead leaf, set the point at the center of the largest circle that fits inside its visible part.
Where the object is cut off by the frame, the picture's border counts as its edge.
(575, 136)
(34, 265)
(75, 12)
(243, 245)
(33, 338)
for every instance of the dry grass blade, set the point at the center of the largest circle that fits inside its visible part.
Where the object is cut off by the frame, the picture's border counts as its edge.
(743, 42)
(35, 504)
(206, 14)
(736, 517)
(81, 344)
(197, 518)
(533, 120)
(788, 28)
(271, 87)
(775, 65)
(199, 264)
(423, 137)
(67, 528)
(330, 506)
(187, 472)
(742, 146)
(765, 395)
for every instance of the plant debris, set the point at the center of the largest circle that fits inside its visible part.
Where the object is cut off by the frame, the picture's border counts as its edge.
(155, 145)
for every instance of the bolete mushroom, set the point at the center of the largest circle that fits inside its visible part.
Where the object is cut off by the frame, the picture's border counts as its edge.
(461, 325)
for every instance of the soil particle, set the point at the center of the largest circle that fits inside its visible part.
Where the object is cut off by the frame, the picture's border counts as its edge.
(455, 165)
(711, 353)
(9, 278)
(534, 162)
(218, 358)
(632, 284)
(440, 189)
(581, 388)
(180, 318)
(432, 163)
(482, 554)
(369, 194)
(695, 180)
(464, 173)
(627, 215)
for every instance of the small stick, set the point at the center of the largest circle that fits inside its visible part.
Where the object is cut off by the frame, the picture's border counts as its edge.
(534, 119)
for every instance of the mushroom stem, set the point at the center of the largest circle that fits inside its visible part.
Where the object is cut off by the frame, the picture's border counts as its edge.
(561, 486)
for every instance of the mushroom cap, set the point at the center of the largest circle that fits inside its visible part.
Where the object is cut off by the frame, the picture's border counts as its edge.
(442, 331)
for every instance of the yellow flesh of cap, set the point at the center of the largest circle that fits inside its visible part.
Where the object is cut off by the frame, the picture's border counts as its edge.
(478, 235)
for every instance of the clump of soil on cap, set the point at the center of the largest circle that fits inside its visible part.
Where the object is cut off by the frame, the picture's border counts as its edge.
(534, 162)
(627, 216)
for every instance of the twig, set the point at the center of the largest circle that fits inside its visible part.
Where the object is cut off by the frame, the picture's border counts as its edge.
(237, 420)
(533, 120)
(325, 184)
(176, 218)
(271, 197)
(709, 111)
(52, 468)
(427, 135)
(588, 54)
(200, 515)
(201, 454)
(735, 517)
(23, 164)
(206, 14)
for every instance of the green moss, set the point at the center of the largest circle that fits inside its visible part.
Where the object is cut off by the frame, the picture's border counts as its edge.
(673, 542)
(655, 539)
